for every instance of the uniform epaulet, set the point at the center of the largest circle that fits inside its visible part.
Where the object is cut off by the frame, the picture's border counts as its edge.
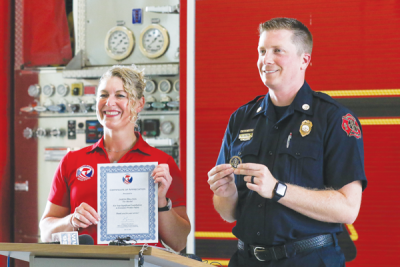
(255, 100)
(326, 97)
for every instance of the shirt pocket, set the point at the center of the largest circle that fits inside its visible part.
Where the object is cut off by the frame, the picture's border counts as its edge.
(301, 163)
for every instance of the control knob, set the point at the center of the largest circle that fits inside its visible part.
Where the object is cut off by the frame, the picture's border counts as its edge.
(40, 132)
(27, 133)
(57, 132)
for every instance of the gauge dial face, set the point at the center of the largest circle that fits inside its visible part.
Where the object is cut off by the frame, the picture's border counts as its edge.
(167, 127)
(150, 87)
(62, 89)
(48, 90)
(154, 41)
(119, 43)
(176, 85)
(34, 90)
(164, 86)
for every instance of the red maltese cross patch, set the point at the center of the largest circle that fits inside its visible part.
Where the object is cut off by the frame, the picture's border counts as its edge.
(350, 126)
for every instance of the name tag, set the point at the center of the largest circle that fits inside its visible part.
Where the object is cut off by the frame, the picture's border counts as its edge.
(246, 135)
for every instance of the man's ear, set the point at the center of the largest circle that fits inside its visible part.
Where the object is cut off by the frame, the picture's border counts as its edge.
(305, 61)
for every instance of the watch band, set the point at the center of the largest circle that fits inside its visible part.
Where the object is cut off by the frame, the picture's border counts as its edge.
(279, 191)
(168, 207)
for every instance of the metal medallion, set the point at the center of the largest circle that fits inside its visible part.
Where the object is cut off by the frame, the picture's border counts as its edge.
(305, 128)
(235, 161)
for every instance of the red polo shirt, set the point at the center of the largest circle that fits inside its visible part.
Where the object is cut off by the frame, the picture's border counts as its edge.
(70, 188)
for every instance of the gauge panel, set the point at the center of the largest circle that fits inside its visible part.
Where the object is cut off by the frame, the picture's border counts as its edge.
(164, 86)
(119, 42)
(154, 41)
(62, 89)
(176, 85)
(150, 87)
(48, 90)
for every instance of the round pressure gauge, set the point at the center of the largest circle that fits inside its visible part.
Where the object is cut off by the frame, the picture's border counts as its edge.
(48, 90)
(150, 87)
(154, 41)
(167, 127)
(34, 90)
(62, 89)
(164, 86)
(119, 43)
(176, 85)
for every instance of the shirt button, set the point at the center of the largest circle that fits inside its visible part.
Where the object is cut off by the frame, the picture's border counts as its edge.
(260, 205)
(270, 152)
(240, 153)
(276, 127)
(297, 153)
(258, 233)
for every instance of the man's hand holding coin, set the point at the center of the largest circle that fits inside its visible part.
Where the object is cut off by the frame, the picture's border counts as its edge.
(222, 180)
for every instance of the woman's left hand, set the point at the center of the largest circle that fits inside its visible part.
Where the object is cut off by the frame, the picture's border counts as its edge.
(162, 176)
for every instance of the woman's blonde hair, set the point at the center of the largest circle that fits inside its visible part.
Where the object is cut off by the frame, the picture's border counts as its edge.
(133, 82)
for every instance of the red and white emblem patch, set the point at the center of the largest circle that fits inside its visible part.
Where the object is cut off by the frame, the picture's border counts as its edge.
(84, 173)
(350, 126)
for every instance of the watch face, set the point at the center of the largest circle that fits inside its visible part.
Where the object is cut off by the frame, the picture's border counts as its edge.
(281, 189)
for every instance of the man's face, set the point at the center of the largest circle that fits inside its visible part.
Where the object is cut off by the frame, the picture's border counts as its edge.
(279, 64)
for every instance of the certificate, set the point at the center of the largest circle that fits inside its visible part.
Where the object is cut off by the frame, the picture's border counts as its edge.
(127, 202)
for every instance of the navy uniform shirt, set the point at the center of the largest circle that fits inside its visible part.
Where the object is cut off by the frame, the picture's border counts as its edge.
(331, 155)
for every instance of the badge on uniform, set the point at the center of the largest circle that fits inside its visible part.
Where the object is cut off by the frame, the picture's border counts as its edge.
(305, 128)
(235, 161)
(350, 126)
(246, 135)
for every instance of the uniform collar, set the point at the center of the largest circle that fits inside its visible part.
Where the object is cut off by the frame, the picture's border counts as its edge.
(141, 146)
(302, 102)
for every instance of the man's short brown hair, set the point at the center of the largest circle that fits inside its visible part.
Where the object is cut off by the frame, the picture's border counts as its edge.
(302, 37)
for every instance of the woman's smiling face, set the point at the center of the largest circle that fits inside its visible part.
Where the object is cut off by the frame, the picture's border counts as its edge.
(113, 105)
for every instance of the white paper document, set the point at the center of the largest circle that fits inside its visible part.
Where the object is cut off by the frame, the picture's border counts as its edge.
(127, 202)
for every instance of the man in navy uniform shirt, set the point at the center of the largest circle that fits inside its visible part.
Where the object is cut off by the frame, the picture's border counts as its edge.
(291, 167)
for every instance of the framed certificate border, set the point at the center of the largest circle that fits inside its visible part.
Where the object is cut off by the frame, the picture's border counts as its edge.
(153, 232)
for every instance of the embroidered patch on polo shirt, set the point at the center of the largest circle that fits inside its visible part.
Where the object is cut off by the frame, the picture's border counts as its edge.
(84, 173)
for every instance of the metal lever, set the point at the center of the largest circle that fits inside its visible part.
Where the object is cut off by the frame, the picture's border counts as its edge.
(163, 9)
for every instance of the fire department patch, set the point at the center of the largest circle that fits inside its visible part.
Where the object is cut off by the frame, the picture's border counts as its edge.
(84, 173)
(127, 179)
(350, 126)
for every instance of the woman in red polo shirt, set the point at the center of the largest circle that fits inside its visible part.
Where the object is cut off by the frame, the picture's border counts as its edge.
(72, 201)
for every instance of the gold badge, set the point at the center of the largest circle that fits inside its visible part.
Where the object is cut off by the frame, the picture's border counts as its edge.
(235, 161)
(305, 128)
(246, 135)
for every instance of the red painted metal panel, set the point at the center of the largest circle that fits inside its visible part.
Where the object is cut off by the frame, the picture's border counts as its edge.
(25, 202)
(46, 34)
(355, 47)
(5, 77)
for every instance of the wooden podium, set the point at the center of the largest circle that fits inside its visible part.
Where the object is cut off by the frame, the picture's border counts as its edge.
(46, 255)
